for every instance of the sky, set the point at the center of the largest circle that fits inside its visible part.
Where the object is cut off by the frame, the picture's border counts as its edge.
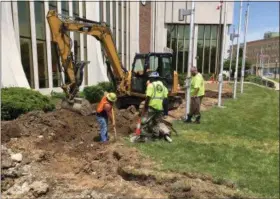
(263, 17)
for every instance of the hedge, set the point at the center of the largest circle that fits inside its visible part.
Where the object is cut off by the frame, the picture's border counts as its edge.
(94, 93)
(16, 101)
(259, 80)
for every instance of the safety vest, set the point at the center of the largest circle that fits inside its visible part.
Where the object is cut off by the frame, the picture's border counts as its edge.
(100, 107)
(157, 92)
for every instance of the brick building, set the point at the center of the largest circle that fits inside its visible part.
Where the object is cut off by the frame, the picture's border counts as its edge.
(264, 52)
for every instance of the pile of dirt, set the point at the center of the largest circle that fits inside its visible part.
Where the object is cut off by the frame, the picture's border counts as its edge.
(206, 104)
(55, 155)
(212, 90)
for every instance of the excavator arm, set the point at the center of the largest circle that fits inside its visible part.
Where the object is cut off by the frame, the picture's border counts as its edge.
(59, 26)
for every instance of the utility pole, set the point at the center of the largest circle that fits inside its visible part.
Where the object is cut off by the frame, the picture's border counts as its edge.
(244, 48)
(237, 52)
(222, 57)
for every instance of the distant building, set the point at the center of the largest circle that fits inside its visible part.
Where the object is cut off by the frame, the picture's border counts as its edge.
(265, 51)
(268, 35)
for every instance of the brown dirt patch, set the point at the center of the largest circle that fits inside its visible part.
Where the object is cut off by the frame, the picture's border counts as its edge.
(59, 149)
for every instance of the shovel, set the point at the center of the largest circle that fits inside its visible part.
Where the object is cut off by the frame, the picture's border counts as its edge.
(114, 124)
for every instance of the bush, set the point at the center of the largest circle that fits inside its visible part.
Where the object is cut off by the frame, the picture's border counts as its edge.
(94, 93)
(182, 77)
(16, 101)
(254, 79)
(61, 95)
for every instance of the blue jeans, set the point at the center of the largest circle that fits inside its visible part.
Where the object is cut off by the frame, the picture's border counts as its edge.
(103, 122)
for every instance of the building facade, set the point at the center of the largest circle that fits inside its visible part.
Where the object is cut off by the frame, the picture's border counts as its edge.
(262, 53)
(138, 27)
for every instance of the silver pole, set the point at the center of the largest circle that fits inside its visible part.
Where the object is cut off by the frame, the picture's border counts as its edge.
(231, 52)
(237, 52)
(244, 49)
(222, 57)
(190, 59)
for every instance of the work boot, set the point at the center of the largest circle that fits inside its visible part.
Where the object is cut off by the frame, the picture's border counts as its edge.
(197, 120)
(189, 119)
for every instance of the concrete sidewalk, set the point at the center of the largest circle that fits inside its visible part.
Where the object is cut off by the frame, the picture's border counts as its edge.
(275, 82)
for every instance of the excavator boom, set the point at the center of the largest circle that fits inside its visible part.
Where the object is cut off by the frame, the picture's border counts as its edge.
(59, 26)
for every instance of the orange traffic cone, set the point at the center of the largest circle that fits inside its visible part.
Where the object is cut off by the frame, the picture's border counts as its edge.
(138, 127)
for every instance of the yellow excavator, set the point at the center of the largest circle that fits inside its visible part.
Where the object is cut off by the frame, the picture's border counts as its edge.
(130, 85)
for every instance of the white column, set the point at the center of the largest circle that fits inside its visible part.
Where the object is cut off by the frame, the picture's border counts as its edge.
(48, 43)
(34, 44)
(82, 50)
(71, 33)
(59, 8)
(127, 38)
(16, 24)
(152, 26)
(117, 24)
(122, 29)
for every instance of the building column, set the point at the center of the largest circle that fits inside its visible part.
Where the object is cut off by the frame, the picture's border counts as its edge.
(71, 33)
(122, 30)
(117, 24)
(82, 50)
(127, 40)
(34, 44)
(16, 24)
(48, 45)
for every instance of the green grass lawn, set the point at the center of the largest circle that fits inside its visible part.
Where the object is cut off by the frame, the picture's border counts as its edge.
(239, 143)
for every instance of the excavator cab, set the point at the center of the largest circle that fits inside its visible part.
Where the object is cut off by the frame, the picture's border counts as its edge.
(144, 64)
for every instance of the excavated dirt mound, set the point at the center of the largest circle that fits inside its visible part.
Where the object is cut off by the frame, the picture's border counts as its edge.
(55, 155)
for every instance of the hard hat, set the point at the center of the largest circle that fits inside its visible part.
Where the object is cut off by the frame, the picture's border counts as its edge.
(154, 74)
(111, 97)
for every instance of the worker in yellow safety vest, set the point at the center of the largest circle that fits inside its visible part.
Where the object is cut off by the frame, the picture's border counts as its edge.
(197, 94)
(156, 93)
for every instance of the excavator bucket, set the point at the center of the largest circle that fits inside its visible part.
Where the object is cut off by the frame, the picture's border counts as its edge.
(79, 105)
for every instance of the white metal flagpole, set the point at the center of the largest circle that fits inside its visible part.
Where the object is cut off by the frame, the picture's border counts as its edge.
(231, 51)
(237, 52)
(244, 49)
(222, 56)
(190, 61)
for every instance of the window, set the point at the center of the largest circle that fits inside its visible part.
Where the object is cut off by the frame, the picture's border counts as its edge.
(108, 13)
(25, 41)
(41, 44)
(139, 65)
(153, 63)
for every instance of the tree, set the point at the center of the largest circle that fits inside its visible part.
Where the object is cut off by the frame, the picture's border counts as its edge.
(227, 64)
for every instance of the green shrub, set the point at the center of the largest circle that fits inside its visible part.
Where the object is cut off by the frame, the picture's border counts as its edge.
(254, 79)
(57, 95)
(206, 77)
(94, 93)
(182, 77)
(61, 95)
(16, 101)
(107, 86)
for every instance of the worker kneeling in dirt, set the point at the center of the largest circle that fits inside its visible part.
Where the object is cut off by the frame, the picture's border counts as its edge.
(156, 93)
(104, 110)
